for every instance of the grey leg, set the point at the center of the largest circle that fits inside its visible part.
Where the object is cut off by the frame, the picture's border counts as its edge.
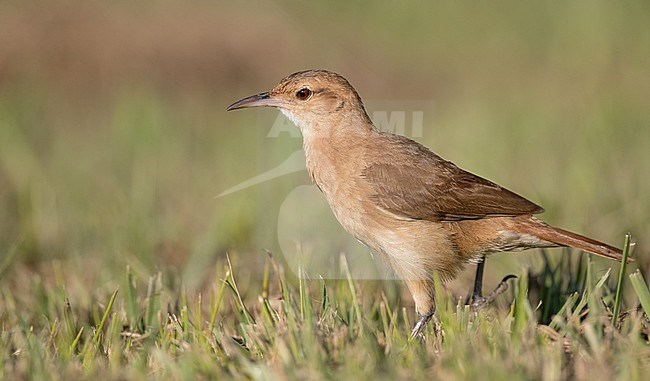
(421, 325)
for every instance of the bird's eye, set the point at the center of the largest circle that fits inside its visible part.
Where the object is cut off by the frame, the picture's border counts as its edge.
(303, 94)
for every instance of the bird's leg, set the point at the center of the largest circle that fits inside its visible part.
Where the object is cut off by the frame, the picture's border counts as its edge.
(478, 301)
(421, 325)
(422, 290)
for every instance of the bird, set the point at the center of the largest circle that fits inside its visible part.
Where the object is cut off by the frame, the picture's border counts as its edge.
(420, 212)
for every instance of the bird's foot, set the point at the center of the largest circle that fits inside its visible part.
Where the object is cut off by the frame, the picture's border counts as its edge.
(478, 302)
(421, 325)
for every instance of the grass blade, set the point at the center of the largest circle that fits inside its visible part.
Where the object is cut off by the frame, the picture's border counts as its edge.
(642, 291)
(102, 323)
(521, 300)
(621, 277)
(75, 342)
(239, 300)
(131, 299)
(153, 294)
(218, 298)
(353, 292)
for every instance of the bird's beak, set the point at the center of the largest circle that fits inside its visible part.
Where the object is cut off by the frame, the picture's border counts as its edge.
(259, 100)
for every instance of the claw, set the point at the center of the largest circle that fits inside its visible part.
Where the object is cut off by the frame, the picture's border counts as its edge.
(420, 326)
(479, 302)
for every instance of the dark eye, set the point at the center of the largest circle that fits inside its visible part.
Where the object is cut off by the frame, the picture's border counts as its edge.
(303, 94)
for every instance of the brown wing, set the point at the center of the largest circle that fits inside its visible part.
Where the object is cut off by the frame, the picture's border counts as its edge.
(426, 187)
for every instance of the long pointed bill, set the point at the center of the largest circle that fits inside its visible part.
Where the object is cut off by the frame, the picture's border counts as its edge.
(259, 100)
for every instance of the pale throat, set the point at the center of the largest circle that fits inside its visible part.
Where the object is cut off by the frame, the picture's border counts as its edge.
(301, 123)
(309, 129)
(316, 142)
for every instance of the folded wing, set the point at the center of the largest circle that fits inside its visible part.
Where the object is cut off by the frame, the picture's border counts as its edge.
(418, 184)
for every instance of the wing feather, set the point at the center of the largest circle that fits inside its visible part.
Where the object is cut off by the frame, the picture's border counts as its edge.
(415, 183)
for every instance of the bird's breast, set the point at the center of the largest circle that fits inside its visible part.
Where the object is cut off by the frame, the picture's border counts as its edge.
(336, 173)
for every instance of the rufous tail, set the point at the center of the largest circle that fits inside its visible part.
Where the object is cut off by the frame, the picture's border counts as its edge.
(563, 237)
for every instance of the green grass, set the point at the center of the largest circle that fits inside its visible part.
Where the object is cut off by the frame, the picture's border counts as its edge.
(152, 328)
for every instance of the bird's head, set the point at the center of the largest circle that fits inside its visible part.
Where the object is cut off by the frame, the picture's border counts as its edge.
(317, 101)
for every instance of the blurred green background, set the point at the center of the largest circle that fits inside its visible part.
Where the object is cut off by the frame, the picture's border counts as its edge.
(114, 140)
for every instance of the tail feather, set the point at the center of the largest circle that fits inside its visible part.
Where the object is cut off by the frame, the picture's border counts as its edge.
(566, 238)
